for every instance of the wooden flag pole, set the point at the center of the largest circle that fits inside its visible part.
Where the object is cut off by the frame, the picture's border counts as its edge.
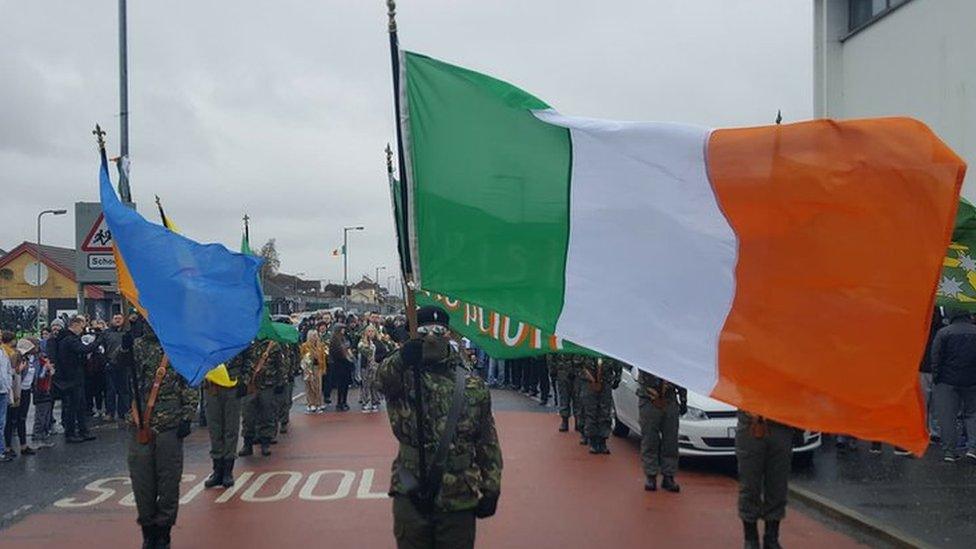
(405, 265)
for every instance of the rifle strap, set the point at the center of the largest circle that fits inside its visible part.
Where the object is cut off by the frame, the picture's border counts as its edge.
(449, 432)
(262, 361)
(154, 392)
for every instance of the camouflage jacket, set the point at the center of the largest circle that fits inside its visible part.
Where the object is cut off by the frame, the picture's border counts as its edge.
(240, 366)
(275, 368)
(474, 464)
(296, 361)
(176, 400)
(646, 381)
(566, 366)
(605, 370)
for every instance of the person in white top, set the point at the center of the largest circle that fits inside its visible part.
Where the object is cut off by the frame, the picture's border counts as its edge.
(28, 366)
(6, 391)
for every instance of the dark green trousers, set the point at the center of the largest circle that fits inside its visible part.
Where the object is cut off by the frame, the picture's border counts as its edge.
(259, 416)
(597, 410)
(223, 421)
(659, 437)
(414, 530)
(568, 390)
(156, 469)
(284, 403)
(764, 470)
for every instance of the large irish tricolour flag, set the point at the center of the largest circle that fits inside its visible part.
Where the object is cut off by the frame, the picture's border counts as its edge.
(789, 270)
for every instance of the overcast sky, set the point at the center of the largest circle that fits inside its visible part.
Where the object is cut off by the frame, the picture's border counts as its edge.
(282, 109)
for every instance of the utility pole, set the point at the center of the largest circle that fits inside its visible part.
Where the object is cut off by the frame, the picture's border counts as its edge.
(124, 191)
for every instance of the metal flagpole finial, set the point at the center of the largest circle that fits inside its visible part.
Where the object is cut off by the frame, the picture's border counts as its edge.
(391, 12)
(779, 116)
(389, 158)
(99, 134)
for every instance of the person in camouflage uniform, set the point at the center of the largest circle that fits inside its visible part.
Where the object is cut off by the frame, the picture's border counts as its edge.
(599, 377)
(660, 403)
(567, 371)
(260, 405)
(764, 453)
(224, 418)
(471, 481)
(292, 368)
(156, 468)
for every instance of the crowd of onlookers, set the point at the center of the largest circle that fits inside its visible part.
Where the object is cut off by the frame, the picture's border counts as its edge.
(86, 365)
(83, 364)
(339, 351)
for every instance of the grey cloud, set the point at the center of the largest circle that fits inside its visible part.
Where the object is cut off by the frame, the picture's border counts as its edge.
(282, 109)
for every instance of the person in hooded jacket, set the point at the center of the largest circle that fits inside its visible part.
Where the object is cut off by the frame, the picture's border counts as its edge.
(954, 375)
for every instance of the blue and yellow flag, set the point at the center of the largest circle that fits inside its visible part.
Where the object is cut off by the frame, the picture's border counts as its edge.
(202, 300)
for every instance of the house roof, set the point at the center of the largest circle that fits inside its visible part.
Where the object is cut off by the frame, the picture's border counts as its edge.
(366, 284)
(60, 259)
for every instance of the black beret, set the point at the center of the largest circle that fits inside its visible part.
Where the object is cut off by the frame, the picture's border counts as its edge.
(432, 315)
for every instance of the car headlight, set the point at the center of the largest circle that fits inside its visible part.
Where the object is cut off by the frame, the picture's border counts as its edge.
(695, 414)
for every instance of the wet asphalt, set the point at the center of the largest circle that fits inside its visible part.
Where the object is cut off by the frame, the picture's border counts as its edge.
(927, 498)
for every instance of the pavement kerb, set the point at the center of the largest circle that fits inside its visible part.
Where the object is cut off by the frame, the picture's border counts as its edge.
(856, 519)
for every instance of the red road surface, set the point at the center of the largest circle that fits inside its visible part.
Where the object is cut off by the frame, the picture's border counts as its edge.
(316, 491)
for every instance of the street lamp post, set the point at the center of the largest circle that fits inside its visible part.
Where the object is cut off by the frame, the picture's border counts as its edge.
(37, 259)
(377, 280)
(345, 264)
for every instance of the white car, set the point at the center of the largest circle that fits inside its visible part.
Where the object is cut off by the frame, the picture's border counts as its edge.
(708, 429)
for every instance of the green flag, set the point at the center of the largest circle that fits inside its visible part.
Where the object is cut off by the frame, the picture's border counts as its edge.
(498, 335)
(275, 331)
(957, 287)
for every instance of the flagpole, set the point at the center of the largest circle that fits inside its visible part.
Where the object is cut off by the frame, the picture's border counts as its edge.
(124, 191)
(410, 305)
(405, 263)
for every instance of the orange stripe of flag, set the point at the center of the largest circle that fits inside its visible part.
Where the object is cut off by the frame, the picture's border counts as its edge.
(842, 229)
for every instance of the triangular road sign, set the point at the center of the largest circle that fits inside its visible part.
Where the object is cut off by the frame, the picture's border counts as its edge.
(99, 237)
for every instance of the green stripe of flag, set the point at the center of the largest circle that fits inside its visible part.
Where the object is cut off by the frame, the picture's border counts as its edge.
(483, 169)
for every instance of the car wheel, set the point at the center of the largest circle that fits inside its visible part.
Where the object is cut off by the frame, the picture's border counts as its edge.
(619, 429)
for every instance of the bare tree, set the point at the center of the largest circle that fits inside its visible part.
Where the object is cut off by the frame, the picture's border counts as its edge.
(272, 261)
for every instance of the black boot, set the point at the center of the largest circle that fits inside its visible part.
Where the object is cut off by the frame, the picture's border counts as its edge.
(751, 534)
(603, 446)
(771, 535)
(668, 483)
(284, 428)
(595, 446)
(650, 484)
(227, 480)
(162, 542)
(216, 476)
(247, 449)
(584, 441)
(564, 425)
(265, 448)
(149, 537)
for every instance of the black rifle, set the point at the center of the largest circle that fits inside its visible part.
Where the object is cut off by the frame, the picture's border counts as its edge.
(134, 375)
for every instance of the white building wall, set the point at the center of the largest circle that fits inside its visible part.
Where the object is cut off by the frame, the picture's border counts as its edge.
(918, 61)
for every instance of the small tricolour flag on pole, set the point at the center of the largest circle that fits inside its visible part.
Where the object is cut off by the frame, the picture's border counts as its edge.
(338, 252)
(788, 270)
